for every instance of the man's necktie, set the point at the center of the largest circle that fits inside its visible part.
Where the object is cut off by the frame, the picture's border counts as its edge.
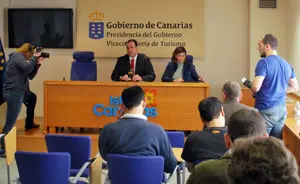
(132, 64)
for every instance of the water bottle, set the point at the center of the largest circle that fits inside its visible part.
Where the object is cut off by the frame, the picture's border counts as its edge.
(297, 110)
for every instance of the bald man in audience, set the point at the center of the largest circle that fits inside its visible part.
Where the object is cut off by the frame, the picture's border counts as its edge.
(244, 123)
(232, 95)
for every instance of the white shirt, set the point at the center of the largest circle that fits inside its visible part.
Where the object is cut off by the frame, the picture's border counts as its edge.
(130, 58)
(139, 116)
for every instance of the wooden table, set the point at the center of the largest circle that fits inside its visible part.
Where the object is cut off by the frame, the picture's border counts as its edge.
(247, 97)
(94, 104)
(291, 138)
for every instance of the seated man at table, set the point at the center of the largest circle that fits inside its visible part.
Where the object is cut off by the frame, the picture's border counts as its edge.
(133, 135)
(133, 66)
(232, 94)
(242, 124)
(208, 143)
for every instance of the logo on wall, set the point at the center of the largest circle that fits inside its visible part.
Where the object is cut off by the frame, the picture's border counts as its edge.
(96, 25)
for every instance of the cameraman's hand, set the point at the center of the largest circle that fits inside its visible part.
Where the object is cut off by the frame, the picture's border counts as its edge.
(38, 54)
(40, 59)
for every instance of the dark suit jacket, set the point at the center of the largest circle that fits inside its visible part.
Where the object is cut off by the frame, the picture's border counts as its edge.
(143, 68)
(231, 106)
(189, 73)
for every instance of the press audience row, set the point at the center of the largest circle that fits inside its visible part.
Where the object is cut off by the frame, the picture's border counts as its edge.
(233, 147)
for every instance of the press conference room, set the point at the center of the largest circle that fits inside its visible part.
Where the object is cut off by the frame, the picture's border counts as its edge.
(146, 92)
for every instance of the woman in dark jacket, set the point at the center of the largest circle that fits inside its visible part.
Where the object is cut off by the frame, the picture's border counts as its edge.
(180, 70)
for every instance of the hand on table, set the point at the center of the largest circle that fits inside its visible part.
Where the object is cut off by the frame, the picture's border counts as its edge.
(136, 78)
(178, 80)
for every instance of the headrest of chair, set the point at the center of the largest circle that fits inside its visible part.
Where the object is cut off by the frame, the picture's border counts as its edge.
(190, 58)
(83, 56)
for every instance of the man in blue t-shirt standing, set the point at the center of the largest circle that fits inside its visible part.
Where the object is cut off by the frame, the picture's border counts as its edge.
(274, 77)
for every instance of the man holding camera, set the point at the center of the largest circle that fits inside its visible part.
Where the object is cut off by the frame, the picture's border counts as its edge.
(21, 66)
(274, 77)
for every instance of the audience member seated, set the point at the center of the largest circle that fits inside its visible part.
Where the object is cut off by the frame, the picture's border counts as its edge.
(262, 161)
(133, 135)
(232, 95)
(179, 69)
(133, 66)
(208, 143)
(243, 123)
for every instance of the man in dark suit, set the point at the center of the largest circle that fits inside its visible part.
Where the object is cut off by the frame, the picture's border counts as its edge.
(133, 66)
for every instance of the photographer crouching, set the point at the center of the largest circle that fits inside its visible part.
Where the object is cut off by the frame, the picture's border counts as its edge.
(22, 65)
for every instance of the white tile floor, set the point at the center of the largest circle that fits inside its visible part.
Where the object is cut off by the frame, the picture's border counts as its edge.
(14, 173)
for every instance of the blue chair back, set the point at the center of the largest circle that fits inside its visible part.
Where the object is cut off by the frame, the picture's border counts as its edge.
(45, 168)
(84, 68)
(83, 56)
(190, 58)
(135, 169)
(176, 139)
(79, 147)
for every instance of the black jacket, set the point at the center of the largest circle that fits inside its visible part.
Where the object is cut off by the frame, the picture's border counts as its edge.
(189, 73)
(143, 68)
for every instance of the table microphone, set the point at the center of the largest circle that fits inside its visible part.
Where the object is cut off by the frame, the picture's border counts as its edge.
(130, 73)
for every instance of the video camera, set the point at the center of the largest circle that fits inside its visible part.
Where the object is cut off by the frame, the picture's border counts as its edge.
(39, 49)
(43, 54)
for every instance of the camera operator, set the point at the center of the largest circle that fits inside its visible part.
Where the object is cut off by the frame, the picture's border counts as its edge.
(21, 66)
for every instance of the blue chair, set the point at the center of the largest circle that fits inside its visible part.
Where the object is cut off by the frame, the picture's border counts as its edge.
(190, 58)
(45, 168)
(177, 141)
(84, 68)
(79, 147)
(135, 169)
